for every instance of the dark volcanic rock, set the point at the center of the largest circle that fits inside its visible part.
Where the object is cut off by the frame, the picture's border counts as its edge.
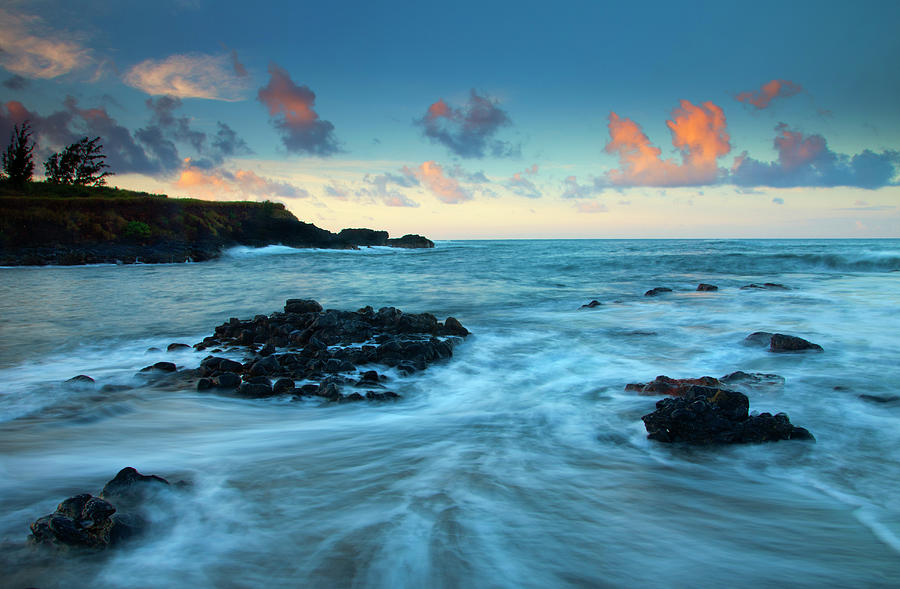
(653, 292)
(758, 338)
(255, 390)
(228, 380)
(592, 304)
(411, 241)
(160, 367)
(703, 287)
(706, 415)
(789, 343)
(82, 379)
(86, 521)
(176, 346)
(302, 306)
(675, 387)
(765, 286)
(752, 379)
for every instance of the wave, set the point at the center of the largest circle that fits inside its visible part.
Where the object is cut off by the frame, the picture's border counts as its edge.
(246, 251)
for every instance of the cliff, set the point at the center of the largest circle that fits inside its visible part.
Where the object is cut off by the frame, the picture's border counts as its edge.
(76, 225)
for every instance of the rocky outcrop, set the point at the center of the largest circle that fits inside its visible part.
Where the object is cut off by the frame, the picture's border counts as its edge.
(708, 415)
(410, 241)
(85, 521)
(325, 349)
(676, 387)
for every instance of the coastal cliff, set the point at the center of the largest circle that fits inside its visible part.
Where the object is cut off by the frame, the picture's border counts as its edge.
(105, 225)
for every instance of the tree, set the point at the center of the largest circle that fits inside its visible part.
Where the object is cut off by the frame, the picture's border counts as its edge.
(18, 166)
(80, 163)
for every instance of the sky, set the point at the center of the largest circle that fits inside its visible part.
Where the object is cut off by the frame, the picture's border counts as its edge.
(481, 120)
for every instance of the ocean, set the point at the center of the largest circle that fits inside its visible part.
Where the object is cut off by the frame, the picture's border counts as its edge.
(520, 462)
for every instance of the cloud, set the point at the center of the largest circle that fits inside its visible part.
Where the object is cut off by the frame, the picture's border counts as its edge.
(238, 67)
(522, 185)
(806, 160)
(468, 131)
(698, 132)
(245, 183)
(778, 200)
(30, 49)
(770, 91)
(446, 189)
(379, 188)
(16, 82)
(591, 207)
(189, 76)
(336, 191)
(572, 189)
(291, 108)
(468, 177)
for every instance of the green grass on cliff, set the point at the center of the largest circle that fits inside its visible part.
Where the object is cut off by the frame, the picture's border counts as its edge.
(42, 214)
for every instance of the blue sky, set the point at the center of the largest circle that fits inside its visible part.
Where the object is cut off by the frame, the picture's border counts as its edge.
(482, 119)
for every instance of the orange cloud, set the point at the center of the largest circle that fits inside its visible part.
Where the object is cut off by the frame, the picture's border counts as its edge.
(188, 76)
(699, 132)
(220, 184)
(769, 91)
(795, 149)
(446, 189)
(29, 48)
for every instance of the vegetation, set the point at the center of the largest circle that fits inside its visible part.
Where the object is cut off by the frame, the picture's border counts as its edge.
(18, 164)
(80, 163)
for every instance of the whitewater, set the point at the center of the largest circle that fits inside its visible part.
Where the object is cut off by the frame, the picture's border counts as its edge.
(520, 462)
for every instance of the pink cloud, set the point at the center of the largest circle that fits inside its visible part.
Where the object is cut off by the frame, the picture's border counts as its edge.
(447, 189)
(770, 91)
(220, 183)
(591, 207)
(700, 134)
(292, 112)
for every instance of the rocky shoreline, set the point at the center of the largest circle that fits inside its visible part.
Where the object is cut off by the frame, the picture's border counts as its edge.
(174, 252)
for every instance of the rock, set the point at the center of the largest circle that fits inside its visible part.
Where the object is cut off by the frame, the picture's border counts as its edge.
(255, 390)
(176, 346)
(882, 400)
(705, 415)
(160, 367)
(228, 380)
(411, 241)
(204, 384)
(81, 379)
(653, 292)
(765, 286)
(454, 327)
(703, 287)
(789, 343)
(385, 396)
(267, 365)
(753, 379)
(86, 521)
(671, 386)
(592, 304)
(302, 306)
(758, 338)
(282, 386)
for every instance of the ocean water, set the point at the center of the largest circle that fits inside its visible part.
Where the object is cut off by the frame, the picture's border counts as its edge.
(520, 462)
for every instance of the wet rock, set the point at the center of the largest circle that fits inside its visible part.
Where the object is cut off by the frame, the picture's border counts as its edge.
(765, 286)
(410, 240)
(891, 400)
(663, 385)
(703, 287)
(267, 365)
(204, 384)
(752, 379)
(654, 292)
(454, 327)
(81, 379)
(160, 367)
(381, 396)
(790, 343)
(302, 306)
(705, 415)
(228, 380)
(283, 386)
(176, 347)
(758, 338)
(591, 305)
(352, 397)
(255, 390)
(85, 521)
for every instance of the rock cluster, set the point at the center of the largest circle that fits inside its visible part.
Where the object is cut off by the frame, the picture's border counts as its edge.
(97, 522)
(324, 348)
(709, 415)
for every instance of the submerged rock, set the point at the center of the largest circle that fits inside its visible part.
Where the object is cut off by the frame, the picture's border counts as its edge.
(707, 415)
(592, 304)
(671, 386)
(703, 287)
(765, 286)
(790, 343)
(653, 292)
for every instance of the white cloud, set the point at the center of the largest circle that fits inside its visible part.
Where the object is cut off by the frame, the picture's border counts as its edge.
(189, 76)
(28, 48)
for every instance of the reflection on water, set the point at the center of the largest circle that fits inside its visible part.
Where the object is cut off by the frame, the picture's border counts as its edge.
(522, 462)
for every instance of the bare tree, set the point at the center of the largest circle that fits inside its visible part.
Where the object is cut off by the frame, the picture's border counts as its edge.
(81, 163)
